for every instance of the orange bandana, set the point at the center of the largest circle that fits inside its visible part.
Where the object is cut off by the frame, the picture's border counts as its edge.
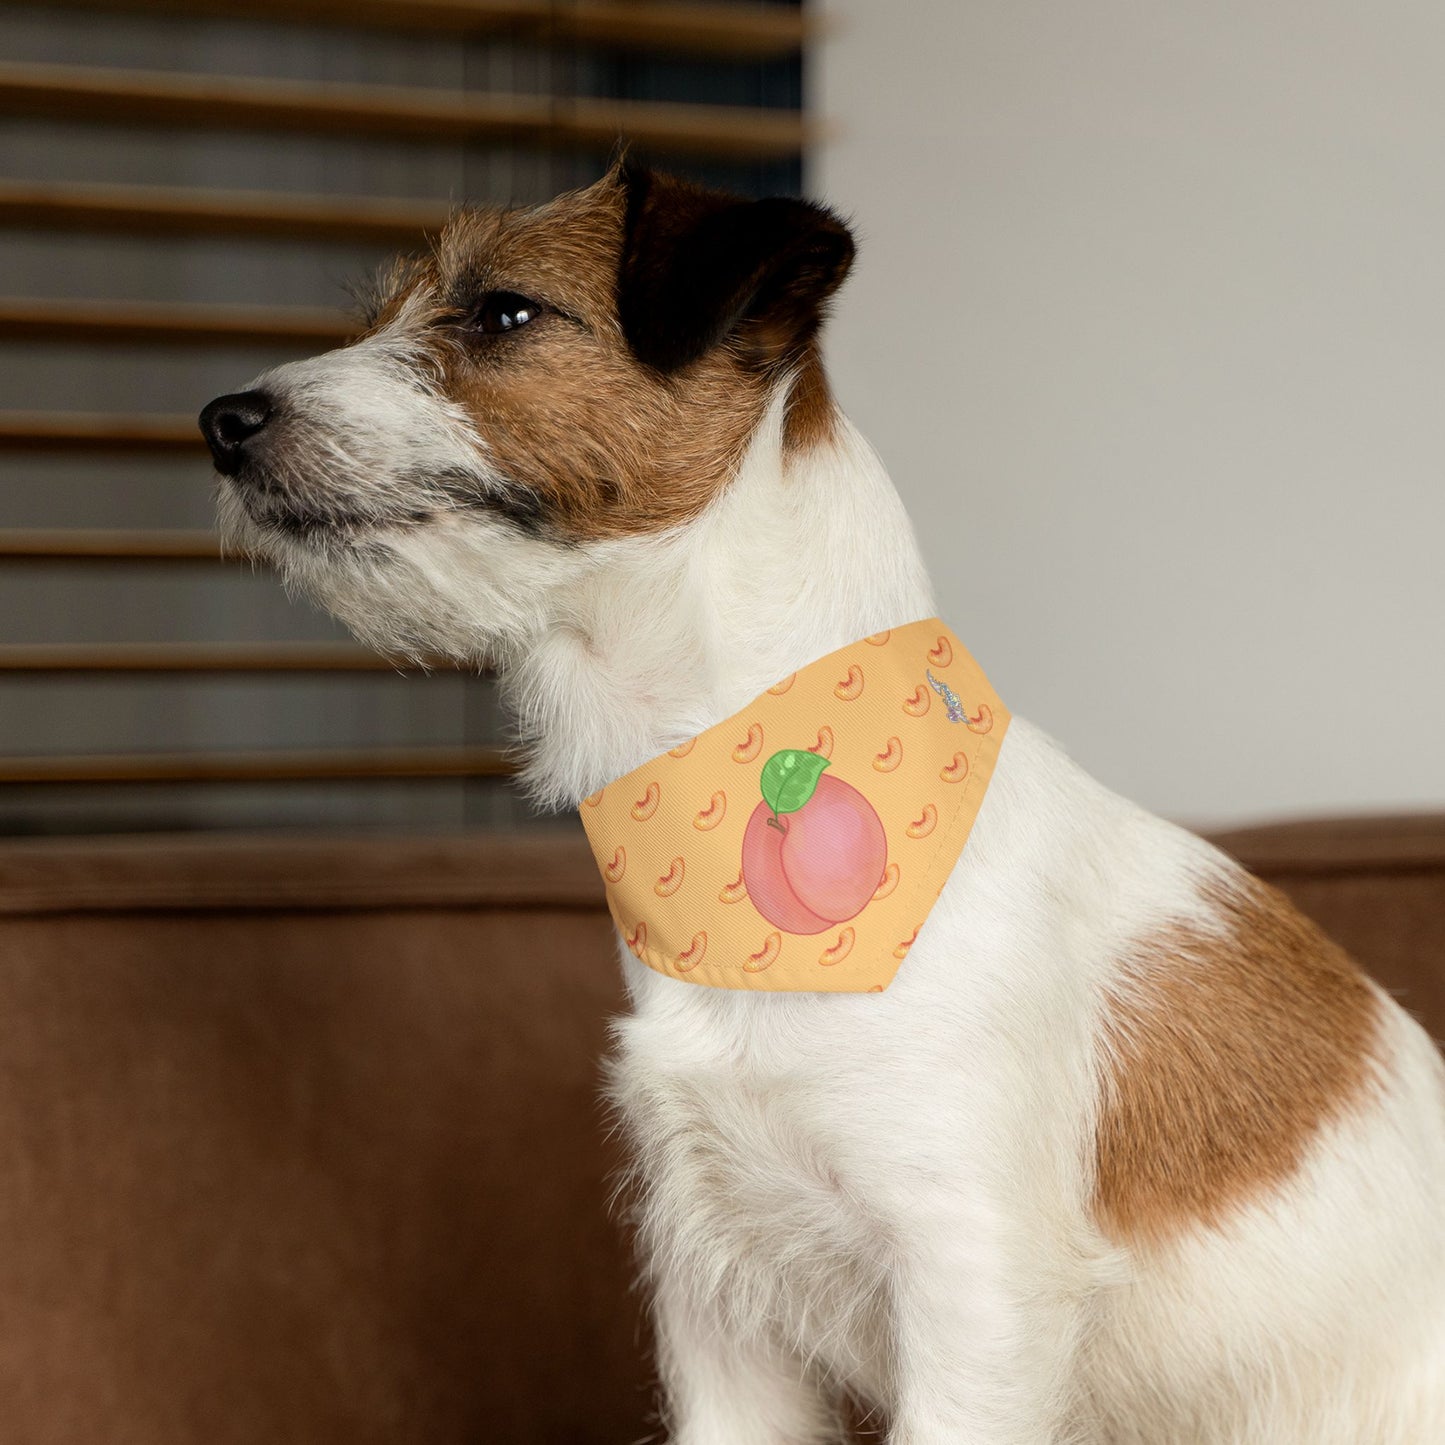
(800, 844)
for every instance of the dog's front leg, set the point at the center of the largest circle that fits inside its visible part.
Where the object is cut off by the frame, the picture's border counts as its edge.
(724, 1387)
(984, 1337)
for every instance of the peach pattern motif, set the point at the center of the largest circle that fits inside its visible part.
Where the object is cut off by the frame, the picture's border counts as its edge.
(890, 757)
(747, 750)
(733, 892)
(957, 770)
(713, 814)
(693, 954)
(646, 805)
(888, 882)
(921, 827)
(767, 955)
(982, 721)
(918, 704)
(858, 790)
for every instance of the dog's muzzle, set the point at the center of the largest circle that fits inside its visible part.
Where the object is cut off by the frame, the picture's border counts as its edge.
(230, 423)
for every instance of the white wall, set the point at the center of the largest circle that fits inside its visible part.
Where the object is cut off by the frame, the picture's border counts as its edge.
(1149, 324)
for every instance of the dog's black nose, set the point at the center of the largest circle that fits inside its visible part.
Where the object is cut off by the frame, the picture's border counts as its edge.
(229, 422)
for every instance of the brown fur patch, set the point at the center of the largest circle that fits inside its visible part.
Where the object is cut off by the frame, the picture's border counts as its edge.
(1227, 1053)
(811, 415)
(606, 445)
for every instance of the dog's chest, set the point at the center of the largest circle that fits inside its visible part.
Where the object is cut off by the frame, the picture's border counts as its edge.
(750, 1181)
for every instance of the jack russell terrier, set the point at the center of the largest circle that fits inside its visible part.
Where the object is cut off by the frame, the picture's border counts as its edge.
(1112, 1146)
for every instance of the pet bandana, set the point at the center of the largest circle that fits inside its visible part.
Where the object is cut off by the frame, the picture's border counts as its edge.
(800, 844)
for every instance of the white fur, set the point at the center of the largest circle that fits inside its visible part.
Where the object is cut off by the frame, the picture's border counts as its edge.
(889, 1194)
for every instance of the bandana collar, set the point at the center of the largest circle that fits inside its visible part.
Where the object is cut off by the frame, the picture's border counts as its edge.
(800, 844)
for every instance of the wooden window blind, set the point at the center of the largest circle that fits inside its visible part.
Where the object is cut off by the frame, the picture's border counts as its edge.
(185, 188)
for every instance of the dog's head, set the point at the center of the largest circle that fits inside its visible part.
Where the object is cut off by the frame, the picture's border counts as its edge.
(542, 384)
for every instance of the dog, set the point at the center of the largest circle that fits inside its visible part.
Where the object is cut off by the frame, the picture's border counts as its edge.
(1128, 1152)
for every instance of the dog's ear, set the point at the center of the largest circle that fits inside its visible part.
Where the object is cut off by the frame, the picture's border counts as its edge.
(700, 266)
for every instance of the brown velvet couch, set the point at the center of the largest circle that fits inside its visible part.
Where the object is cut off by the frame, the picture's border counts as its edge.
(302, 1142)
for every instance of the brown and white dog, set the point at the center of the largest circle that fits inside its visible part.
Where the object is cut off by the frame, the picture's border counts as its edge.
(1128, 1152)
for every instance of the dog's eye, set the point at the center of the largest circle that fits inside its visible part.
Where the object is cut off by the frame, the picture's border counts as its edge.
(504, 311)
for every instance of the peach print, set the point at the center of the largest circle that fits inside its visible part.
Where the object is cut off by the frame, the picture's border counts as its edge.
(817, 864)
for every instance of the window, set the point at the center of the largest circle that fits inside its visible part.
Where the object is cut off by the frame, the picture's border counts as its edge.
(185, 193)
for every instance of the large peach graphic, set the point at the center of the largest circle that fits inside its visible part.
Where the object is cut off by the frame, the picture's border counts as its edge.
(814, 848)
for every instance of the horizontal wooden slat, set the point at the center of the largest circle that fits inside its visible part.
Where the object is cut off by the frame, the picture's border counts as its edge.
(79, 544)
(84, 431)
(706, 28)
(220, 102)
(330, 765)
(174, 211)
(306, 657)
(171, 323)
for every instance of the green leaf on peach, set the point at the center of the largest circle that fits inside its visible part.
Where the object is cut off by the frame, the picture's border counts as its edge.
(790, 778)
